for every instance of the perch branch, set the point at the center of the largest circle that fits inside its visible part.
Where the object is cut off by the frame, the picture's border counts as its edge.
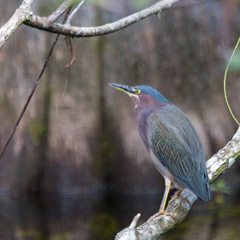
(21, 14)
(152, 229)
(73, 31)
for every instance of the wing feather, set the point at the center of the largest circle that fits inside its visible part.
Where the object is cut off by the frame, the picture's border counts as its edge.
(176, 144)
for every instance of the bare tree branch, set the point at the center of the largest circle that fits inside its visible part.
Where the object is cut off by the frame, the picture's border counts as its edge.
(21, 14)
(152, 229)
(24, 15)
(64, 29)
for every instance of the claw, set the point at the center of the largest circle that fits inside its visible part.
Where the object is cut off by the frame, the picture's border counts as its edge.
(179, 197)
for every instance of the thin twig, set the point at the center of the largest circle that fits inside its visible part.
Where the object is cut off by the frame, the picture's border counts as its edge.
(75, 11)
(64, 90)
(60, 11)
(225, 82)
(32, 92)
(72, 50)
(73, 55)
(30, 96)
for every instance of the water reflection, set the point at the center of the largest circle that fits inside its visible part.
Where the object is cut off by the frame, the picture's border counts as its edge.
(101, 216)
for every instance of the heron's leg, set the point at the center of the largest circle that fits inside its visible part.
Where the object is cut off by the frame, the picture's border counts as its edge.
(165, 196)
(164, 200)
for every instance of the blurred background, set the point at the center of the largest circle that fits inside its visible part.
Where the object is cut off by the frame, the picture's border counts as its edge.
(76, 167)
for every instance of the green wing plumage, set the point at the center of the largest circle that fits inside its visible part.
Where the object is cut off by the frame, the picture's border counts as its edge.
(177, 146)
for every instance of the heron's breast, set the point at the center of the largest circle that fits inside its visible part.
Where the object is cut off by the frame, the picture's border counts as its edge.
(165, 172)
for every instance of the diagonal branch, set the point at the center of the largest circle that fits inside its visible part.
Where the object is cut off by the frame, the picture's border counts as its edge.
(21, 14)
(33, 90)
(75, 11)
(150, 230)
(64, 29)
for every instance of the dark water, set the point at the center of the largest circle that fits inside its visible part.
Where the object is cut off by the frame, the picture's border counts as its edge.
(101, 216)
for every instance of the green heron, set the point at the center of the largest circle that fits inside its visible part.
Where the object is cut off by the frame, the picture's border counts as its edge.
(171, 140)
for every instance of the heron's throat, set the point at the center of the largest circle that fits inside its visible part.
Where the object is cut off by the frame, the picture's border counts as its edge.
(135, 99)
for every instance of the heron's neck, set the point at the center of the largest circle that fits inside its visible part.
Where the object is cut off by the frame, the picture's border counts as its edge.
(144, 106)
(146, 102)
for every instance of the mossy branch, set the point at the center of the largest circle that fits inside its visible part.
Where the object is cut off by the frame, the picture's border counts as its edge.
(153, 229)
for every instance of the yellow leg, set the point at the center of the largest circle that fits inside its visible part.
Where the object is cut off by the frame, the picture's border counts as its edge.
(164, 200)
(165, 196)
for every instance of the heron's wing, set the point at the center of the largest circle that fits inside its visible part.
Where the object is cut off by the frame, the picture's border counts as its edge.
(176, 144)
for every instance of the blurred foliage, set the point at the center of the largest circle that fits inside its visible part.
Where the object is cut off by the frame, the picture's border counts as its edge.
(96, 2)
(37, 130)
(139, 4)
(104, 226)
(135, 4)
(220, 186)
(235, 64)
(47, 7)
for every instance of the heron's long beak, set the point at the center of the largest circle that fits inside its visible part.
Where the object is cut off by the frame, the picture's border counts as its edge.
(131, 91)
(127, 89)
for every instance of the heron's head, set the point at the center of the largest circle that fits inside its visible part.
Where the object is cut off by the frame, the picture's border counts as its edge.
(140, 94)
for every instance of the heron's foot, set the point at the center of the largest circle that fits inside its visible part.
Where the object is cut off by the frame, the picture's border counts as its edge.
(159, 214)
(179, 197)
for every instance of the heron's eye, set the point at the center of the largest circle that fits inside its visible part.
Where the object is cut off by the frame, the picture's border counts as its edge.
(137, 91)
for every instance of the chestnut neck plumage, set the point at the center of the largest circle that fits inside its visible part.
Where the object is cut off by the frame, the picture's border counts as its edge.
(145, 104)
(144, 101)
